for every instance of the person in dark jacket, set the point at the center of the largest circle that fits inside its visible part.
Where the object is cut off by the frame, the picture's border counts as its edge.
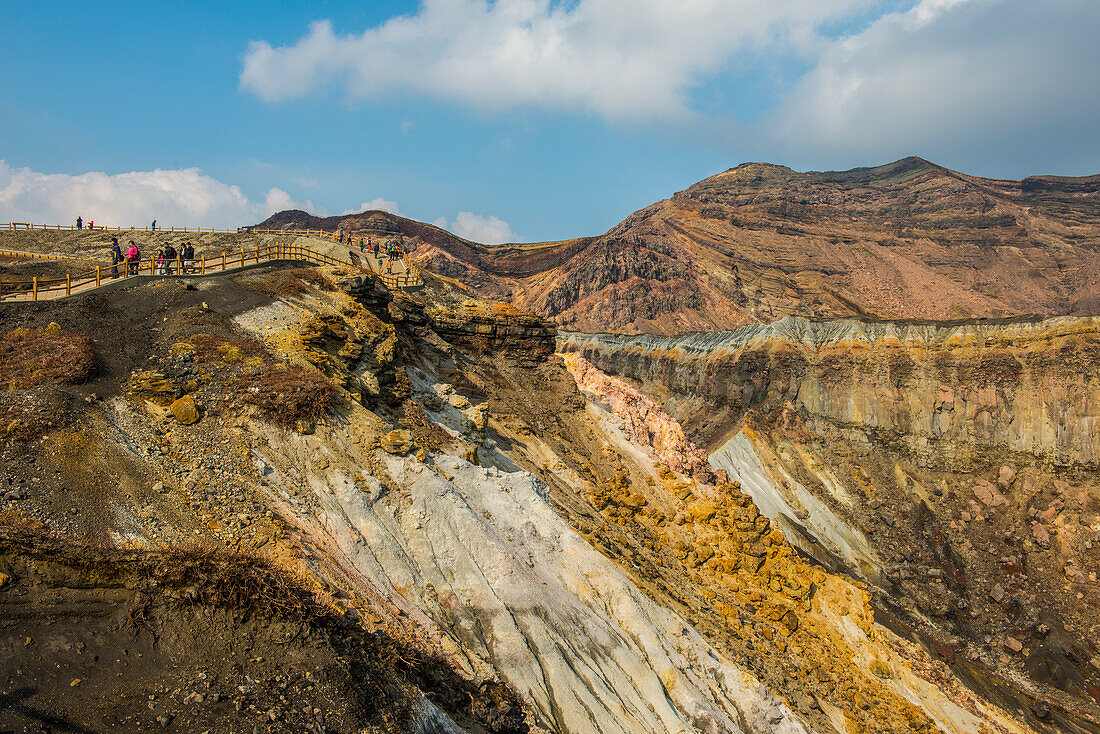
(116, 256)
(169, 259)
(79, 223)
(188, 257)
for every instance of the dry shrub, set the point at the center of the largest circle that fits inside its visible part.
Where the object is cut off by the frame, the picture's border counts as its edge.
(33, 357)
(286, 394)
(210, 349)
(231, 580)
(18, 522)
(27, 414)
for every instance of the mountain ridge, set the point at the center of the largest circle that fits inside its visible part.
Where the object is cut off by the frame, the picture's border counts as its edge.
(905, 240)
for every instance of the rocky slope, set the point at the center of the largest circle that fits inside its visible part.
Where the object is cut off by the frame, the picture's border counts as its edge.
(759, 242)
(500, 550)
(954, 468)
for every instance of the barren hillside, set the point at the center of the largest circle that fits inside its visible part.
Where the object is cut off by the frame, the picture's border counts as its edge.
(909, 240)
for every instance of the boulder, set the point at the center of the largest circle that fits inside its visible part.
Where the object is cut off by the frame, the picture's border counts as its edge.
(397, 442)
(1006, 476)
(1041, 535)
(185, 410)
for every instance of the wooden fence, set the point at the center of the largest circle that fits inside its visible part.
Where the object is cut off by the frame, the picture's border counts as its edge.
(37, 289)
(97, 228)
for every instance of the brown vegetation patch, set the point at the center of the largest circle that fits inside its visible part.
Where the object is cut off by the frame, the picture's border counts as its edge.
(28, 414)
(210, 349)
(287, 283)
(50, 356)
(286, 394)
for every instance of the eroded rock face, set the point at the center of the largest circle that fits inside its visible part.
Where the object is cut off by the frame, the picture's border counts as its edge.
(487, 327)
(953, 467)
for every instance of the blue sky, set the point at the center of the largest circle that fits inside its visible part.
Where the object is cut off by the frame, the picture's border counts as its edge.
(537, 119)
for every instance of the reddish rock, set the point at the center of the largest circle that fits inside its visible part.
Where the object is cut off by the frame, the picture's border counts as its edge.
(1041, 535)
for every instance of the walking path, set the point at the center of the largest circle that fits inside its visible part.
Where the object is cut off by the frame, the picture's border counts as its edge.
(103, 274)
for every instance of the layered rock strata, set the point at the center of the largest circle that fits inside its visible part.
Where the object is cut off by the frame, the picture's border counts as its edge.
(953, 467)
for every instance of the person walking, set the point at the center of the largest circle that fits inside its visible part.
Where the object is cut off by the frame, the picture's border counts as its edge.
(169, 259)
(154, 227)
(116, 256)
(79, 223)
(133, 258)
(188, 258)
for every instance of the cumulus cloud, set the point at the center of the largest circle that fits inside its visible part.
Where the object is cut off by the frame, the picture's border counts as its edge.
(594, 55)
(184, 197)
(948, 78)
(971, 82)
(489, 230)
(379, 204)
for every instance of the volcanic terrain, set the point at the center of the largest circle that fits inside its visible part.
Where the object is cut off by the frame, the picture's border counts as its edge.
(908, 240)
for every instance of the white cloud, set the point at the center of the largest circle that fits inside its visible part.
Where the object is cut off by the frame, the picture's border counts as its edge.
(640, 61)
(380, 204)
(182, 197)
(489, 230)
(967, 81)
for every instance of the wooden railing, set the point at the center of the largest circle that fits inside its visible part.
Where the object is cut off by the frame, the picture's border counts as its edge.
(320, 233)
(97, 228)
(37, 289)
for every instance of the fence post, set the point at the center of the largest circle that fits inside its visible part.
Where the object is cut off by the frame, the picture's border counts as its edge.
(34, 288)
(68, 284)
(203, 271)
(96, 276)
(223, 259)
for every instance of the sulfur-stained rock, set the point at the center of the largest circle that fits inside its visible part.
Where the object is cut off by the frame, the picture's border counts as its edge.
(185, 410)
(154, 387)
(1006, 476)
(470, 455)
(397, 442)
(480, 417)
(701, 511)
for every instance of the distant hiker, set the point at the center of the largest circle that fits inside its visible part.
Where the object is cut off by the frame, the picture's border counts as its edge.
(79, 223)
(116, 256)
(188, 258)
(133, 258)
(361, 244)
(154, 225)
(169, 259)
(91, 224)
